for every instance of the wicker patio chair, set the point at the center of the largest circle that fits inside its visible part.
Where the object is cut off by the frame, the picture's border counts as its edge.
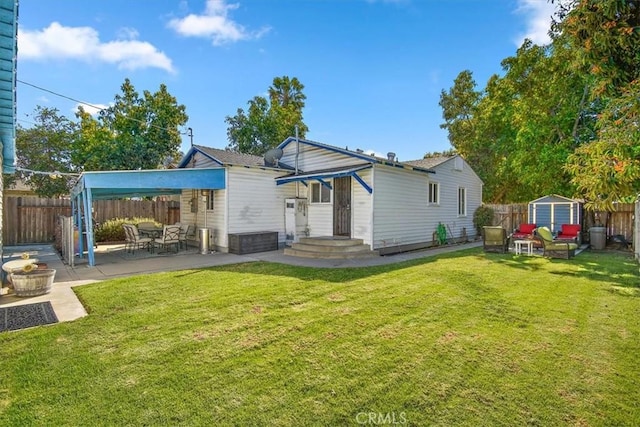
(494, 239)
(554, 248)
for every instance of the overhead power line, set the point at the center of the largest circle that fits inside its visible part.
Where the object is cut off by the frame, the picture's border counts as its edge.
(92, 105)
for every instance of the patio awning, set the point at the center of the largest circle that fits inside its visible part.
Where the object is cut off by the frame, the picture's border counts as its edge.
(321, 175)
(102, 185)
(147, 183)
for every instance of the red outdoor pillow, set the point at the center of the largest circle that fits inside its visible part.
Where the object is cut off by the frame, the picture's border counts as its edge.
(527, 228)
(570, 229)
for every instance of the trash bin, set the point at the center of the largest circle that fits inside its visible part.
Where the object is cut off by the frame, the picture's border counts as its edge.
(204, 241)
(598, 237)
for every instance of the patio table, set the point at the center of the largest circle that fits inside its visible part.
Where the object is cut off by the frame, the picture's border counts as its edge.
(153, 232)
(528, 243)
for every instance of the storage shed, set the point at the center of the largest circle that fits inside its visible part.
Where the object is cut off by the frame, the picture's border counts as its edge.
(552, 211)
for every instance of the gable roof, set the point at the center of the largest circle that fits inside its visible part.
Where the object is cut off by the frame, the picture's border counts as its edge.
(356, 155)
(429, 162)
(554, 198)
(222, 157)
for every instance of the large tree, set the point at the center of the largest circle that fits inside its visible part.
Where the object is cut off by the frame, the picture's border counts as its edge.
(605, 35)
(268, 122)
(134, 133)
(44, 153)
(518, 132)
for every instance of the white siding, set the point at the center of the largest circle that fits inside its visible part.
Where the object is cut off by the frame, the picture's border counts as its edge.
(361, 207)
(256, 203)
(313, 158)
(320, 219)
(401, 215)
(450, 180)
(200, 161)
(215, 220)
(320, 222)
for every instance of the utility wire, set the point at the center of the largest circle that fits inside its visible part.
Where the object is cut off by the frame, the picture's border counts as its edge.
(91, 105)
(53, 174)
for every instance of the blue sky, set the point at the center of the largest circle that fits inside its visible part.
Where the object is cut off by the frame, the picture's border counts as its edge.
(373, 70)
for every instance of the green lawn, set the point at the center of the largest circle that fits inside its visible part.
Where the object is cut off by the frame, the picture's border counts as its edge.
(459, 339)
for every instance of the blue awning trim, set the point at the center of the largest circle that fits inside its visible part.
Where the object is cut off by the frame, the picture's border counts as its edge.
(320, 176)
(325, 183)
(141, 183)
(361, 181)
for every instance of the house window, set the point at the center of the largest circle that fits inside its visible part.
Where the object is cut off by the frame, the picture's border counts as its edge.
(210, 200)
(320, 193)
(462, 201)
(434, 193)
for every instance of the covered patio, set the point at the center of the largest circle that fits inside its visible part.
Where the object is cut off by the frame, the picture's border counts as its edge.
(101, 185)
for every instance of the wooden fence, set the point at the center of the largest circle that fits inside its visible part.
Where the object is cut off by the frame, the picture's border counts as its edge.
(619, 222)
(509, 217)
(34, 220)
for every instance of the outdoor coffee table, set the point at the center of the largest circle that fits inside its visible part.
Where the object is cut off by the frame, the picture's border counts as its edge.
(519, 243)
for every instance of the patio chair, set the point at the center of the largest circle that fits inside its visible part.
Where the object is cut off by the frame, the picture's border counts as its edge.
(494, 239)
(170, 236)
(135, 240)
(554, 248)
(187, 233)
(128, 238)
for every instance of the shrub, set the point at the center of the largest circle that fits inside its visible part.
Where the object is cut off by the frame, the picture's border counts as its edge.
(481, 217)
(112, 231)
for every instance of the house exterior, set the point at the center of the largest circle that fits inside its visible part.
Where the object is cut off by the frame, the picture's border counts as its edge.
(330, 191)
(249, 202)
(8, 54)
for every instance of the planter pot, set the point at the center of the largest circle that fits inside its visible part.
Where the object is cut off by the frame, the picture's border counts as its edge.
(36, 282)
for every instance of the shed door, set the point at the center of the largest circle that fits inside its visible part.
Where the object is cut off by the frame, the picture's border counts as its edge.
(342, 206)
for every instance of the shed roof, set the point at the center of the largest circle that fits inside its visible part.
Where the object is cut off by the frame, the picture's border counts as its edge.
(554, 198)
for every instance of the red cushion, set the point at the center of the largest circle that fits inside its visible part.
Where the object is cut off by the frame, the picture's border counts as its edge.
(526, 228)
(570, 230)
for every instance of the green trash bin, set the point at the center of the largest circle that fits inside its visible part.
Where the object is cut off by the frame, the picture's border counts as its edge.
(598, 237)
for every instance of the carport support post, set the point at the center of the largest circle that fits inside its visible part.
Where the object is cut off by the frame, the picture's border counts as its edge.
(77, 219)
(88, 221)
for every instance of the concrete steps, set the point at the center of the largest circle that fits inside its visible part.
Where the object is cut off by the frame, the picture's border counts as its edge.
(333, 247)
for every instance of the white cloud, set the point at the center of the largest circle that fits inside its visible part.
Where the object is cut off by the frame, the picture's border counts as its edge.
(128, 33)
(215, 24)
(92, 109)
(538, 16)
(83, 44)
